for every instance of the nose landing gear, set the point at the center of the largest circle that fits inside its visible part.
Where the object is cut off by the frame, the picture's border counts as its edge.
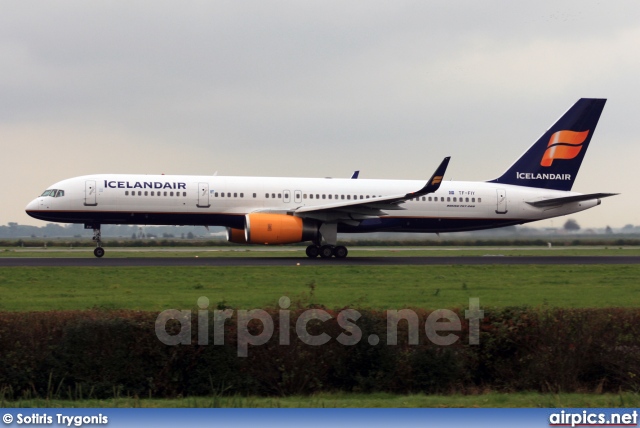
(97, 237)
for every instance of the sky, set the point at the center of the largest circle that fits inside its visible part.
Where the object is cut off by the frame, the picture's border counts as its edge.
(313, 89)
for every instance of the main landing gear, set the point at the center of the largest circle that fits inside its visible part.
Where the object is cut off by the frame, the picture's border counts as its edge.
(327, 251)
(97, 237)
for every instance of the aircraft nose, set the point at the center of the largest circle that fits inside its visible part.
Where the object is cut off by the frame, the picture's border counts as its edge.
(33, 205)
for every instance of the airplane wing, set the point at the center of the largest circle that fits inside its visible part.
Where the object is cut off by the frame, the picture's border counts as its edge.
(372, 207)
(543, 203)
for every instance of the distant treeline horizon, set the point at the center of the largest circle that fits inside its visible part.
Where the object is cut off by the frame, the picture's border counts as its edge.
(15, 231)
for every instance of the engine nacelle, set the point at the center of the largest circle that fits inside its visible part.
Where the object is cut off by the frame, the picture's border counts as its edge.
(278, 229)
(236, 236)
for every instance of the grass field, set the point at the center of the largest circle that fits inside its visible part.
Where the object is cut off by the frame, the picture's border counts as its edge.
(383, 287)
(343, 400)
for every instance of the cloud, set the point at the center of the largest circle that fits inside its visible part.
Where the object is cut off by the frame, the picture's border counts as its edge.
(309, 88)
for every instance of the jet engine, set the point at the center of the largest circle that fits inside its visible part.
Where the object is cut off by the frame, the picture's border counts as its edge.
(236, 236)
(273, 229)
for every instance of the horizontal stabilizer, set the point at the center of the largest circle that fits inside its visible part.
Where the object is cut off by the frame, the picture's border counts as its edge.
(569, 199)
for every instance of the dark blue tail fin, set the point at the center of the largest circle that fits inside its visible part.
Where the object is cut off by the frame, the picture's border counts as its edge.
(554, 160)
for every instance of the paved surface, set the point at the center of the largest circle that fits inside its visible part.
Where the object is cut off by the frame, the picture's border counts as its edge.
(303, 261)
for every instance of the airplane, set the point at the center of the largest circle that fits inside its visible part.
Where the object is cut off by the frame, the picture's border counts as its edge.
(278, 210)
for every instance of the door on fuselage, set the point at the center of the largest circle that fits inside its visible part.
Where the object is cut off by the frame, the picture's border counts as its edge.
(203, 195)
(501, 207)
(90, 193)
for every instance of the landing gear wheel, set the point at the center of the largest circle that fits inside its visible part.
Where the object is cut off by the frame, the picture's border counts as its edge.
(97, 238)
(313, 251)
(326, 251)
(340, 252)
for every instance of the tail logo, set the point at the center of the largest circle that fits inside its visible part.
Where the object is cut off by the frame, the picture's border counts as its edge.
(436, 180)
(563, 145)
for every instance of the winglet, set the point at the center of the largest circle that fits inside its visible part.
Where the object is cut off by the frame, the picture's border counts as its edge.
(355, 174)
(434, 182)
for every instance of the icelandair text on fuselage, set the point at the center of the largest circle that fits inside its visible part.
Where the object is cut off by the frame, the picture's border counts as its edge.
(144, 185)
(538, 176)
(77, 421)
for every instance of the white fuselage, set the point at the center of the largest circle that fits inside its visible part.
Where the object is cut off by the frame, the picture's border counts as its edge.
(224, 201)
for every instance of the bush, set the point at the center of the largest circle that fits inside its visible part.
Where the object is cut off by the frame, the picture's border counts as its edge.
(101, 354)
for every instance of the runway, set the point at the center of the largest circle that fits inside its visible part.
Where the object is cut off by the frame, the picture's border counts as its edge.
(303, 261)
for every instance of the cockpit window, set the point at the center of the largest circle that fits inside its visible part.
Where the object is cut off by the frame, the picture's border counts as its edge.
(54, 193)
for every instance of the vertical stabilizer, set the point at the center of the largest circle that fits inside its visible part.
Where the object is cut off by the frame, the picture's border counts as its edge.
(553, 161)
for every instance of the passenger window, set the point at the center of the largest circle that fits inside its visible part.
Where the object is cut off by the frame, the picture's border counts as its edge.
(304, 196)
(317, 196)
(467, 200)
(165, 193)
(279, 195)
(254, 195)
(454, 199)
(242, 195)
(349, 197)
(170, 193)
(126, 193)
(139, 192)
(266, 195)
(479, 199)
(235, 195)
(341, 196)
(273, 195)
(330, 196)
(473, 199)
(442, 199)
